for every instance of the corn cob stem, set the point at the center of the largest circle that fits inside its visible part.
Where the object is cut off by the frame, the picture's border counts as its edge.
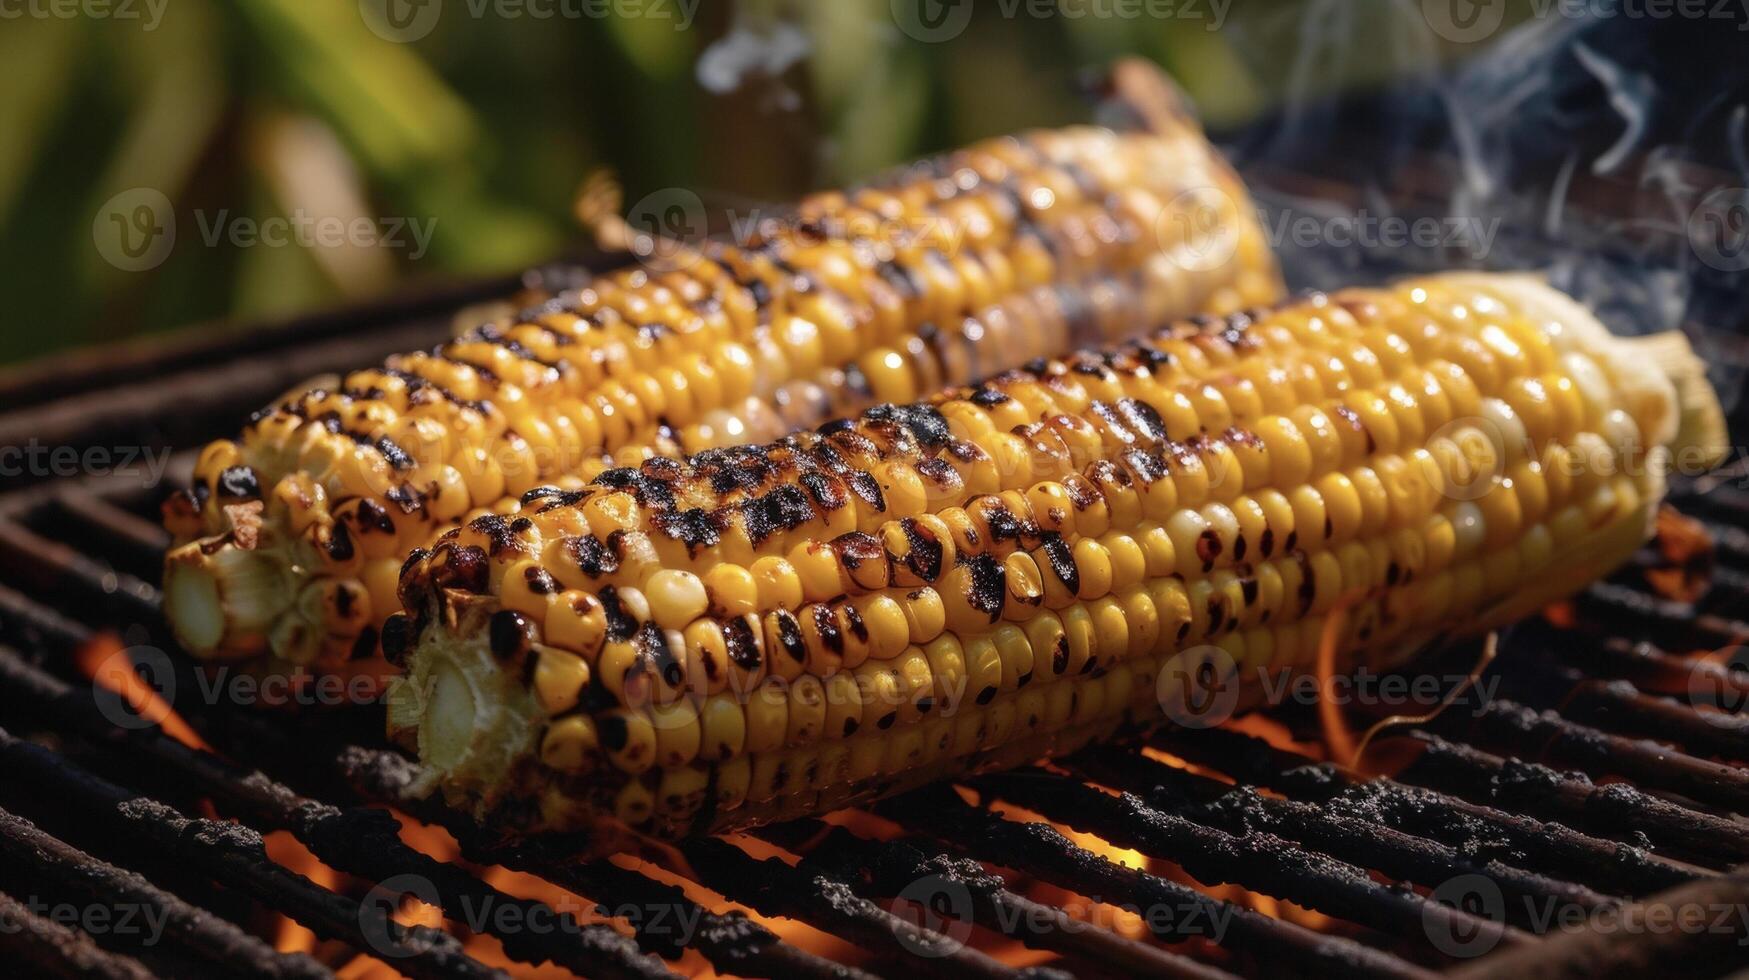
(1003, 571)
(1008, 250)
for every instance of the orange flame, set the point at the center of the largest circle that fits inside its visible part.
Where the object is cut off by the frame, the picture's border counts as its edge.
(105, 661)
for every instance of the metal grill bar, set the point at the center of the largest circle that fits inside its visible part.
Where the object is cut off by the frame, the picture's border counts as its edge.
(361, 841)
(236, 856)
(731, 942)
(51, 949)
(1520, 839)
(893, 866)
(1040, 850)
(1329, 829)
(1612, 808)
(210, 939)
(1257, 860)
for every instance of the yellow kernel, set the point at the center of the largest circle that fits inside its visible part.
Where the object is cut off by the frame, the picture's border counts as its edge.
(677, 597)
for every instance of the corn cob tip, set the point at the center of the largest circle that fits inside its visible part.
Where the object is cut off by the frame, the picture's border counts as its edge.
(221, 599)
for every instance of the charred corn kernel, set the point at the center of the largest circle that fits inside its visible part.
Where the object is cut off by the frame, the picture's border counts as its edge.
(617, 368)
(570, 744)
(966, 614)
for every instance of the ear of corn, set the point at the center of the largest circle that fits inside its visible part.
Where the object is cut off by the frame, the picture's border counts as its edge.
(1001, 573)
(293, 535)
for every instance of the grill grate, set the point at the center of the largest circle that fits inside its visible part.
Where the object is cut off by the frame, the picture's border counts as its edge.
(1477, 801)
(1642, 813)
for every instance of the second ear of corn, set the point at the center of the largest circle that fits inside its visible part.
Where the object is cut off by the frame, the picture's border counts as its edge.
(293, 535)
(1002, 573)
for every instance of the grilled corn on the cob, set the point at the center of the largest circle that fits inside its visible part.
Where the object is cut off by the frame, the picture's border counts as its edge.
(292, 536)
(1000, 573)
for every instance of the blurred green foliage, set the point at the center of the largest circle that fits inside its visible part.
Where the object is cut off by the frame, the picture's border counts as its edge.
(482, 128)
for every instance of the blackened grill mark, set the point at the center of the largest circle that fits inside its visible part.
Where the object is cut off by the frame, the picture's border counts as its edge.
(1062, 562)
(987, 695)
(465, 568)
(1239, 548)
(653, 643)
(340, 542)
(239, 483)
(541, 493)
(396, 456)
(373, 516)
(988, 397)
(418, 555)
(540, 582)
(696, 528)
(856, 549)
(783, 509)
(789, 636)
(592, 556)
(1081, 493)
(925, 553)
(1308, 582)
(1060, 655)
(1143, 418)
(853, 621)
(1003, 525)
(827, 626)
(406, 497)
(1248, 588)
(496, 530)
(864, 485)
(1266, 541)
(900, 278)
(940, 473)
(1209, 548)
(743, 647)
(620, 624)
(614, 733)
(850, 726)
(989, 585)
(828, 493)
(924, 422)
(508, 633)
(397, 637)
